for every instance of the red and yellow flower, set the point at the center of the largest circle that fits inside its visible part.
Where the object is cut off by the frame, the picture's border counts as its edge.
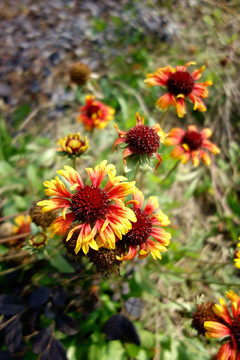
(95, 114)
(73, 145)
(22, 225)
(141, 140)
(149, 226)
(228, 326)
(180, 85)
(191, 144)
(98, 213)
(237, 256)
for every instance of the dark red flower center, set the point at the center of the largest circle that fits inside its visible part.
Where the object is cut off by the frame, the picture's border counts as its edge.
(141, 139)
(140, 231)
(93, 109)
(235, 329)
(193, 139)
(90, 203)
(180, 82)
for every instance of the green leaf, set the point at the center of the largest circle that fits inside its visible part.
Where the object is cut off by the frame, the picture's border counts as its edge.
(20, 114)
(59, 262)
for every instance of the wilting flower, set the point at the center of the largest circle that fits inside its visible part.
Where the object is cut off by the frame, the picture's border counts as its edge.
(229, 327)
(204, 312)
(22, 225)
(237, 256)
(73, 145)
(95, 114)
(180, 85)
(141, 141)
(191, 144)
(148, 225)
(80, 73)
(97, 213)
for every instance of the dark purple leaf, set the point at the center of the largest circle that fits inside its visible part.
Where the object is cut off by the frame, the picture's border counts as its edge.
(46, 355)
(59, 296)
(134, 306)
(39, 296)
(11, 305)
(66, 324)
(13, 334)
(41, 340)
(5, 355)
(55, 351)
(119, 327)
(50, 311)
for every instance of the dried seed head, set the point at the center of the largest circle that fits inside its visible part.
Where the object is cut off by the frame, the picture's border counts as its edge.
(40, 219)
(204, 313)
(6, 229)
(80, 73)
(105, 259)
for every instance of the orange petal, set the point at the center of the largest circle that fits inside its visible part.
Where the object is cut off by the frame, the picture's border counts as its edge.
(71, 175)
(200, 90)
(139, 197)
(180, 106)
(216, 329)
(132, 252)
(151, 205)
(184, 67)
(196, 74)
(206, 133)
(165, 101)
(205, 158)
(227, 352)
(195, 158)
(198, 104)
(177, 152)
(211, 147)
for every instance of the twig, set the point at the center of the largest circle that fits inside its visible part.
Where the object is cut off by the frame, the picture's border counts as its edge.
(12, 216)
(15, 237)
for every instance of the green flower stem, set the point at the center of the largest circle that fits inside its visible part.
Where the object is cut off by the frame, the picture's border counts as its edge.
(75, 163)
(163, 117)
(170, 171)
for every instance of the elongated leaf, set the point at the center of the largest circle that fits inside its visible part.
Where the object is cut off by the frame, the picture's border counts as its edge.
(39, 296)
(66, 324)
(41, 340)
(119, 327)
(11, 305)
(13, 334)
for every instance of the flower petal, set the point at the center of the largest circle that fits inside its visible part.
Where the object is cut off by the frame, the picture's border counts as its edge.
(56, 187)
(139, 197)
(198, 104)
(71, 176)
(60, 226)
(99, 172)
(132, 252)
(151, 205)
(180, 106)
(165, 101)
(216, 329)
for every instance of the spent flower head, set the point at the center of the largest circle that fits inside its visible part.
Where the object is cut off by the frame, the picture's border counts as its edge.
(149, 226)
(80, 73)
(180, 84)
(95, 114)
(73, 145)
(97, 212)
(141, 142)
(191, 144)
